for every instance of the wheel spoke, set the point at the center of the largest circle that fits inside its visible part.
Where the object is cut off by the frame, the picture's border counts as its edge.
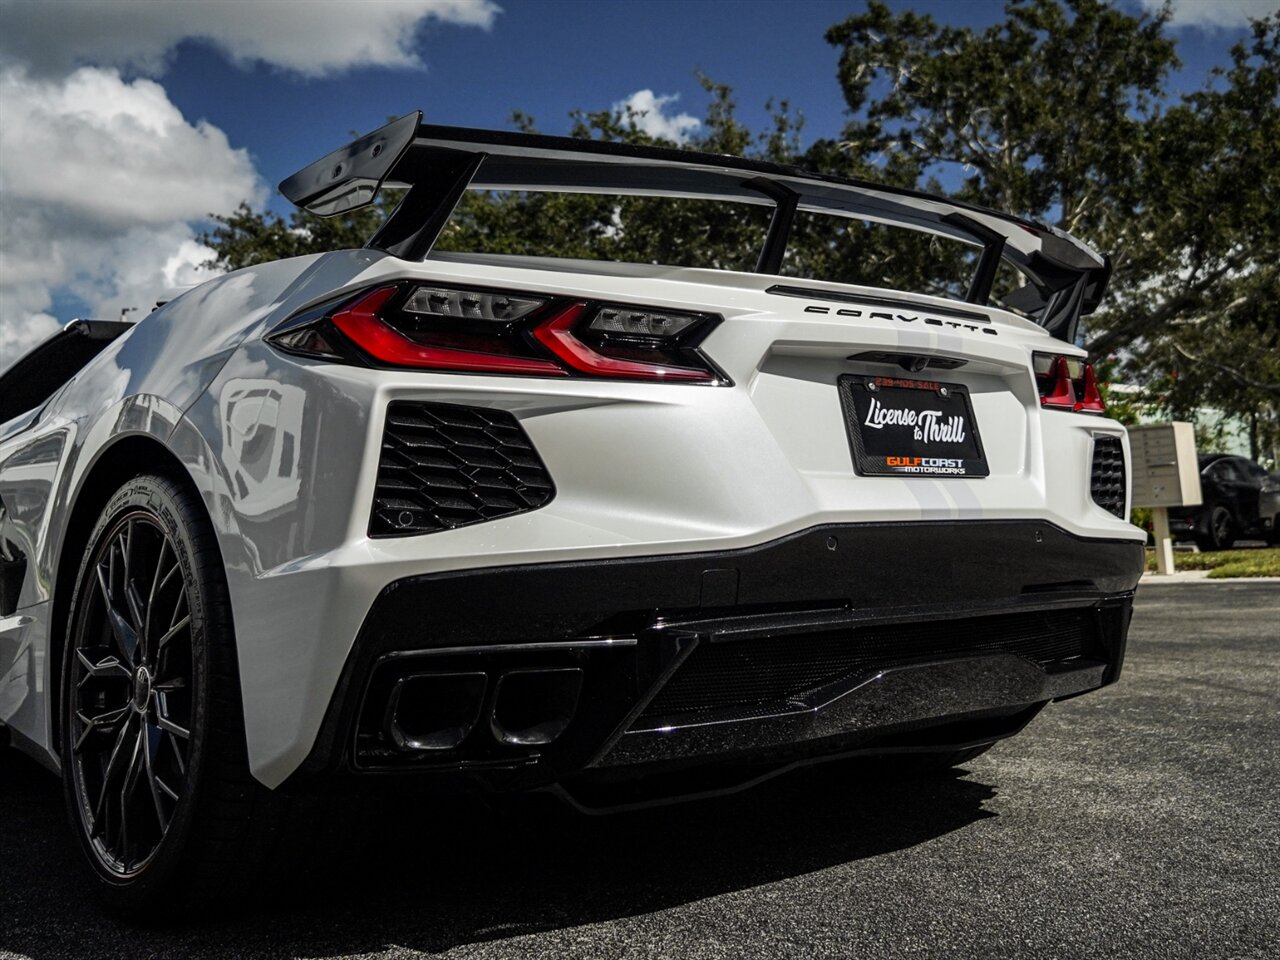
(164, 723)
(108, 773)
(125, 541)
(150, 744)
(109, 666)
(125, 636)
(127, 788)
(177, 755)
(129, 588)
(103, 723)
(179, 607)
(126, 554)
(135, 612)
(171, 633)
(155, 583)
(176, 568)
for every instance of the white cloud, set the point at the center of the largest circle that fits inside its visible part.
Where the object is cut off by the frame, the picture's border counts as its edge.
(146, 265)
(308, 37)
(99, 180)
(101, 177)
(19, 337)
(113, 152)
(1214, 13)
(650, 115)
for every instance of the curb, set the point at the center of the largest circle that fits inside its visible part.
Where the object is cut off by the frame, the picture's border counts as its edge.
(1196, 576)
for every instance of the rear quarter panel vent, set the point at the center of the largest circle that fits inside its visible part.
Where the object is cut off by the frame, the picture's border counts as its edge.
(1107, 481)
(444, 466)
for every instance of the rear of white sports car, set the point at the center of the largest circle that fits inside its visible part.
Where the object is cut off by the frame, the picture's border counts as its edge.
(426, 516)
(513, 522)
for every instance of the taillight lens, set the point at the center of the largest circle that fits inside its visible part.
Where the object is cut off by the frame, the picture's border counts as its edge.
(1067, 383)
(649, 356)
(487, 331)
(363, 324)
(471, 304)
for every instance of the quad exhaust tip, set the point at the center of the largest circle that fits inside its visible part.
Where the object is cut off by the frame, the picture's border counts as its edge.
(533, 707)
(434, 711)
(437, 712)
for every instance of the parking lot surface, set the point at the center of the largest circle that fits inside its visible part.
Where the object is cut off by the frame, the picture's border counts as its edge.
(1137, 822)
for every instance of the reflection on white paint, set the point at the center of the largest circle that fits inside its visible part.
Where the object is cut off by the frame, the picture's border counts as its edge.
(262, 422)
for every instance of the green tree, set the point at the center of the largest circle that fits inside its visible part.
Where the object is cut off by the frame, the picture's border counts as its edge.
(247, 236)
(1060, 113)
(1039, 112)
(1196, 301)
(636, 229)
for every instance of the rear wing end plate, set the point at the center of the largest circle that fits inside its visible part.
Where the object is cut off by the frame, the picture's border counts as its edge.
(351, 176)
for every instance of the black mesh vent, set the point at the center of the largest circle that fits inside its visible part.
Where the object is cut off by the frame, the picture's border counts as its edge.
(1107, 482)
(742, 677)
(445, 466)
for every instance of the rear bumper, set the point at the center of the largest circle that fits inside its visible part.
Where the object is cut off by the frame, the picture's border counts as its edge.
(840, 637)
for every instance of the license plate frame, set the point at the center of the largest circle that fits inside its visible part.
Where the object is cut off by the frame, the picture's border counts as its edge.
(923, 428)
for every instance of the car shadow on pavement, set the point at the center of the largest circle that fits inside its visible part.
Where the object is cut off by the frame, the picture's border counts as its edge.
(439, 878)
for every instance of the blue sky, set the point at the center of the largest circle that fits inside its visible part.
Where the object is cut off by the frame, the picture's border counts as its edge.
(549, 58)
(195, 105)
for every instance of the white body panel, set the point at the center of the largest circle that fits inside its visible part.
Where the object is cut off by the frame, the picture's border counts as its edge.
(640, 468)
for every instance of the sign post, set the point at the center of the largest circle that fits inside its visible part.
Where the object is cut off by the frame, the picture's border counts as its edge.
(1166, 473)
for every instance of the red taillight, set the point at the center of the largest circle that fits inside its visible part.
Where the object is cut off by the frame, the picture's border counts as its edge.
(1090, 399)
(1061, 394)
(1067, 383)
(557, 336)
(366, 329)
(459, 329)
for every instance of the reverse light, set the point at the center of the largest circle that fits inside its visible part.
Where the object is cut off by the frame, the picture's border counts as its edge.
(471, 305)
(443, 328)
(1067, 383)
(641, 323)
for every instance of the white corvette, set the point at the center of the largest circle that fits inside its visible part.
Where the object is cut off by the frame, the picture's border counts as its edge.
(621, 531)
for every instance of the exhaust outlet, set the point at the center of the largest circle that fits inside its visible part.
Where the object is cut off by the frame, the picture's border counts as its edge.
(533, 707)
(434, 711)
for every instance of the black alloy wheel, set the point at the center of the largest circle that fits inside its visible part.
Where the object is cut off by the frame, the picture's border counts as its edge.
(155, 763)
(1221, 530)
(131, 689)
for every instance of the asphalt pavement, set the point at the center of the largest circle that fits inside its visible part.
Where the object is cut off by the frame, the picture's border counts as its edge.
(1141, 821)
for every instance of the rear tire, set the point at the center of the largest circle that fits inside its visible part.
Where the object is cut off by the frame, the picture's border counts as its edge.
(1221, 530)
(156, 775)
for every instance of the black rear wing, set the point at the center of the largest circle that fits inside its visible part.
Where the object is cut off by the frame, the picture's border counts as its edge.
(437, 163)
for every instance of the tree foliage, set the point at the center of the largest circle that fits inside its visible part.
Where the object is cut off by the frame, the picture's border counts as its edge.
(1197, 299)
(635, 229)
(247, 236)
(1040, 111)
(1060, 112)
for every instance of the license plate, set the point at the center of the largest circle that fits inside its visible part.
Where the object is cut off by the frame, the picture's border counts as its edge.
(900, 427)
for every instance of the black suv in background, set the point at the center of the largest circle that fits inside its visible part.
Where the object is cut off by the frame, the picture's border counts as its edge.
(1240, 501)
